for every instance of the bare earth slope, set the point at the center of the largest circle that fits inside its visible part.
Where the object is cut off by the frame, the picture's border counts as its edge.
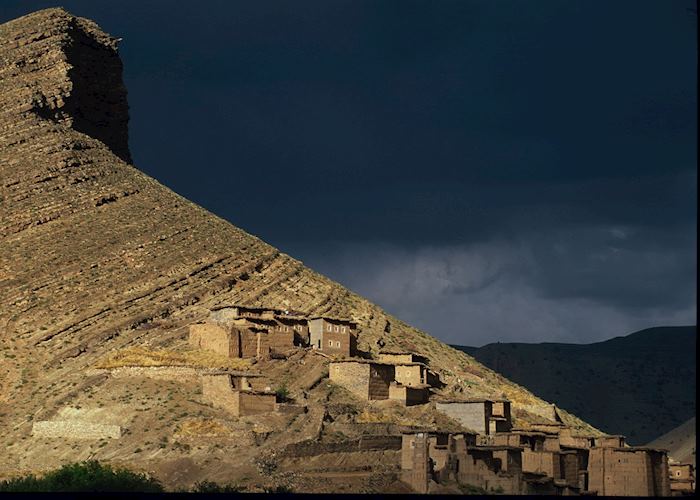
(96, 257)
(680, 442)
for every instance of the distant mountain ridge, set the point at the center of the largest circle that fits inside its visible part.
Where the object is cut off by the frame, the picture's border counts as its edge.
(641, 385)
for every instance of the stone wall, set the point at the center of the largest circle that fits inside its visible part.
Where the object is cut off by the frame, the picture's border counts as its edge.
(380, 377)
(176, 373)
(218, 391)
(473, 416)
(75, 429)
(365, 443)
(395, 358)
(408, 396)
(353, 376)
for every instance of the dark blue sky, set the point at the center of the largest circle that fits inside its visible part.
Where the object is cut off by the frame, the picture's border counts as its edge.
(485, 170)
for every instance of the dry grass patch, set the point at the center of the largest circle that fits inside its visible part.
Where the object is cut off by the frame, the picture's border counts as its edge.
(141, 356)
(202, 427)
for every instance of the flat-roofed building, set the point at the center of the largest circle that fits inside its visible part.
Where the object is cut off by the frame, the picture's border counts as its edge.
(629, 471)
(485, 416)
(368, 380)
(333, 335)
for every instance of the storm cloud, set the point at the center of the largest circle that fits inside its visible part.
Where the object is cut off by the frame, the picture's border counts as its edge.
(487, 171)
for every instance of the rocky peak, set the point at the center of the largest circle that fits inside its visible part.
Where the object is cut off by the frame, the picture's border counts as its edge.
(64, 69)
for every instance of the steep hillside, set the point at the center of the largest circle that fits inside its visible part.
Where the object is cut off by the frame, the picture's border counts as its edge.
(680, 442)
(97, 258)
(641, 385)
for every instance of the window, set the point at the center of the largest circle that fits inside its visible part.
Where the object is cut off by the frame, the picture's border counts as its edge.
(336, 328)
(342, 329)
(286, 328)
(337, 344)
(330, 343)
(330, 328)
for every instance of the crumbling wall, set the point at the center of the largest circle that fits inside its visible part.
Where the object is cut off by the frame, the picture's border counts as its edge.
(253, 403)
(480, 468)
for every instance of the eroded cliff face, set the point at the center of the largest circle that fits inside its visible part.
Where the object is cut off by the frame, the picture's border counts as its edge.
(95, 256)
(66, 70)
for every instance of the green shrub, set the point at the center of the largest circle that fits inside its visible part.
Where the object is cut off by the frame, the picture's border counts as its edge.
(84, 476)
(211, 487)
(282, 393)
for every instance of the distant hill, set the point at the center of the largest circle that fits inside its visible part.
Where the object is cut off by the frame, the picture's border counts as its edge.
(680, 442)
(641, 385)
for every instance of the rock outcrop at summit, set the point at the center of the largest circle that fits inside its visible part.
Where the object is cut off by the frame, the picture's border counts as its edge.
(96, 256)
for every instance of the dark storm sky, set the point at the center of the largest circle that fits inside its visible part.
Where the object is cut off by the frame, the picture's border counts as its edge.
(485, 170)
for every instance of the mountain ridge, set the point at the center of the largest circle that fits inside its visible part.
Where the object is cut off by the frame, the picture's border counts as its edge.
(617, 369)
(96, 257)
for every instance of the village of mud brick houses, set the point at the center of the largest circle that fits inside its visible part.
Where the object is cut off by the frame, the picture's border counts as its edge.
(545, 458)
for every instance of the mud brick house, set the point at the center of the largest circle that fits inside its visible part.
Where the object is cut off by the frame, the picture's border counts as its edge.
(333, 335)
(430, 458)
(374, 380)
(484, 416)
(294, 324)
(366, 379)
(556, 454)
(240, 332)
(628, 472)
(568, 439)
(234, 393)
(213, 337)
(426, 457)
(682, 479)
(612, 441)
